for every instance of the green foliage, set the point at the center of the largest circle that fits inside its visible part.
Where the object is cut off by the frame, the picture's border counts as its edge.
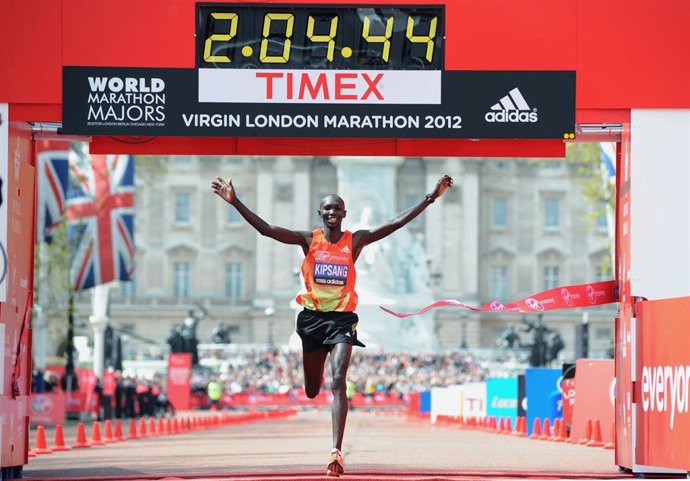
(149, 168)
(585, 165)
(51, 274)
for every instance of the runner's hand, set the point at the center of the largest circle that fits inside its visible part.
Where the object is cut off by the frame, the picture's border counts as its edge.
(444, 183)
(223, 189)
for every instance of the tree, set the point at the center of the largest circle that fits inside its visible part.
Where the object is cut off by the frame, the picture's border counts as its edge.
(586, 169)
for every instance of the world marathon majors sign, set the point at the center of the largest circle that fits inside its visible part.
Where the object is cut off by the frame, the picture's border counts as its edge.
(334, 103)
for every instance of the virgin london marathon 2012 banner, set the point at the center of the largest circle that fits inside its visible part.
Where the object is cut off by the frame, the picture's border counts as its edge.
(318, 103)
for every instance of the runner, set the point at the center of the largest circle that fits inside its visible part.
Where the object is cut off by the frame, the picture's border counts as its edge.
(328, 323)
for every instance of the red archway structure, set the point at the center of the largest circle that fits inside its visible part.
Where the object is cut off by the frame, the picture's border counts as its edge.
(587, 69)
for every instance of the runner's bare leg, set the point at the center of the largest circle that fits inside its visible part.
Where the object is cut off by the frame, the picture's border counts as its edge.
(314, 363)
(340, 361)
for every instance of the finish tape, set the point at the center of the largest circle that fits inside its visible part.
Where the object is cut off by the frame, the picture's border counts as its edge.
(566, 297)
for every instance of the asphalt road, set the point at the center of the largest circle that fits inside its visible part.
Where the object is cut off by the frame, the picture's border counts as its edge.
(297, 447)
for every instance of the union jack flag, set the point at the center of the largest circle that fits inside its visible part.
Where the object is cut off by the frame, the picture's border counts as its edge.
(52, 176)
(100, 215)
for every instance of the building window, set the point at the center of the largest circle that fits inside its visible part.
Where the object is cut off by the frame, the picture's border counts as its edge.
(128, 289)
(182, 160)
(234, 217)
(183, 208)
(601, 273)
(553, 165)
(499, 212)
(234, 282)
(551, 277)
(552, 212)
(181, 279)
(500, 165)
(498, 283)
(603, 334)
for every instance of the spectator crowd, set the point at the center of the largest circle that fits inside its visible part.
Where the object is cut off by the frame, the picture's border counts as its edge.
(276, 371)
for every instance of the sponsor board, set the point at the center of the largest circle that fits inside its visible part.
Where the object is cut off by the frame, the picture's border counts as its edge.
(502, 398)
(594, 380)
(318, 103)
(543, 390)
(179, 378)
(662, 390)
(4, 180)
(2, 361)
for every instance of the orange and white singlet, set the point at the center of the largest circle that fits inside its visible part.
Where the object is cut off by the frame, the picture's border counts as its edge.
(329, 275)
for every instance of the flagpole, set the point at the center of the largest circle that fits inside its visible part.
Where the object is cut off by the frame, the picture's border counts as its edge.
(99, 321)
(70, 382)
(39, 318)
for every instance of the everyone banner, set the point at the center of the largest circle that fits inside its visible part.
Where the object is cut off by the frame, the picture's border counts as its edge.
(582, 295)
(662, 390)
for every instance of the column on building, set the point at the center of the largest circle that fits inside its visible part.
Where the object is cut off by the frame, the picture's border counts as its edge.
(433, 222)
(470, 228)
(471, 198)
(263, 286)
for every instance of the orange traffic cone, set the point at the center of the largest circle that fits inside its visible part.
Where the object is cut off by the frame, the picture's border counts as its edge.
(501, 425)
(596, 440)
(546, 429)
(536, 429)
(152, 427)
(588, 432)
(108, 431)
(142, 428)
(612, 443)
(557, 430)
(118, 431)
(508, 426)
(96, 434)
(41, 446)
(132, 429)
(59, 441)
(521, 429)
(563, 432)
(169, 426)
(161, 427)
(81, 438)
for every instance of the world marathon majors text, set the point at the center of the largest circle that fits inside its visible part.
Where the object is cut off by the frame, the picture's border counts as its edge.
(316, 121)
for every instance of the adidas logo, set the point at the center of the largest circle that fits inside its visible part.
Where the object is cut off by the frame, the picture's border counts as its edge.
(345, 249)
(512, 108)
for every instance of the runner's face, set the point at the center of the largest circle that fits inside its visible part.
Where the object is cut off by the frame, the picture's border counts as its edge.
(332, 211)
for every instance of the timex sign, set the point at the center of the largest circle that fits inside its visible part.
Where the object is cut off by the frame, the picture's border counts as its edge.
(359, 103)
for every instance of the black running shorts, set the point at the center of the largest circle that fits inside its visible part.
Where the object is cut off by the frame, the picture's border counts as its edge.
(322, 330)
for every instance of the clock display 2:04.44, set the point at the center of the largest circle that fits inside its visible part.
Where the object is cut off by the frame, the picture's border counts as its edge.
(320, 37)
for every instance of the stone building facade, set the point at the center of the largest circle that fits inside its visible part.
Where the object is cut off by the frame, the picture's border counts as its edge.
(509, 228)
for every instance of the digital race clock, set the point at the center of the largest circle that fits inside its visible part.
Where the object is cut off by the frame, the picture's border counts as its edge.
(320, 37)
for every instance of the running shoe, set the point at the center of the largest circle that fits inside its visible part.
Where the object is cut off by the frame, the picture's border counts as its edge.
(335, 465)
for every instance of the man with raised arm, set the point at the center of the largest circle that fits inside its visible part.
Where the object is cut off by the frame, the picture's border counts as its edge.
(328, 322)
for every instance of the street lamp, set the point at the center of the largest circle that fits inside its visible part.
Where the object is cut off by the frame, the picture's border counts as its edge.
(463, 327)
(269, 311)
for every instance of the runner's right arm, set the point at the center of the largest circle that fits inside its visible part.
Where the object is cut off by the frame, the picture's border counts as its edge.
(226, 191)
